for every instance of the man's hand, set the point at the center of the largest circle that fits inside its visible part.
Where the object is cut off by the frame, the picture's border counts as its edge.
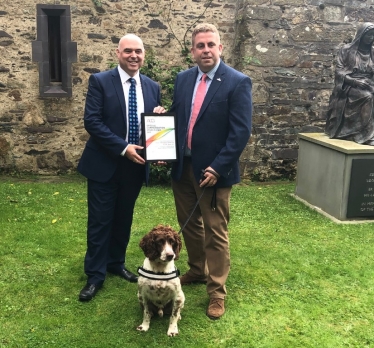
(159, 110)
(132, 155)
(211, 177)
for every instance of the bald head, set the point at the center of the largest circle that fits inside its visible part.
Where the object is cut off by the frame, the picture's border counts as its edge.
(130, 37)
(130, 53)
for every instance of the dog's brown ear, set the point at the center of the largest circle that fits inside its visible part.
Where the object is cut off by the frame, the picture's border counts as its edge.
(148, 245)
(178, 248)
(144, 243)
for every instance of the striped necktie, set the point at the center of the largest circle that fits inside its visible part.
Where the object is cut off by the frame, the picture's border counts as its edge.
(133, 137)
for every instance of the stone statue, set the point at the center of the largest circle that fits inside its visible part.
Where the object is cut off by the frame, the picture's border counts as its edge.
(351, 109)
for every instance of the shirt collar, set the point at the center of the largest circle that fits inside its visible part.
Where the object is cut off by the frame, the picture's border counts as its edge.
(210, 73)
(125, 76)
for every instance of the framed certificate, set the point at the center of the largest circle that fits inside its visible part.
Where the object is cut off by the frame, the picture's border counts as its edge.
(159, 137)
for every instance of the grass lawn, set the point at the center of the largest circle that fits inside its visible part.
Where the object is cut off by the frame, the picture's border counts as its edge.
(297, 279)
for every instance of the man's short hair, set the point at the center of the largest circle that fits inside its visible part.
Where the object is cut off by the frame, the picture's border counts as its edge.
(204, 28)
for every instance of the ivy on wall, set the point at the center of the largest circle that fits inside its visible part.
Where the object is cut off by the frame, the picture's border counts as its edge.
(157, 71)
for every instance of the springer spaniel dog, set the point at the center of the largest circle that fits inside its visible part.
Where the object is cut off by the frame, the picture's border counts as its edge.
(159, 287)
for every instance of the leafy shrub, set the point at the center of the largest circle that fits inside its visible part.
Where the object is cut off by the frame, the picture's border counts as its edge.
(163, 74)
(159, 174)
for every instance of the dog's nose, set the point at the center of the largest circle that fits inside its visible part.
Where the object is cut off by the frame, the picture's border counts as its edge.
(169, 257)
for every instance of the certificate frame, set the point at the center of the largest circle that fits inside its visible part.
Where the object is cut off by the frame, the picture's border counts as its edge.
(159, 135)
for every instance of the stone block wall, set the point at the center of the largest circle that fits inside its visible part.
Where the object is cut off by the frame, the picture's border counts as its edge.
(286, 47)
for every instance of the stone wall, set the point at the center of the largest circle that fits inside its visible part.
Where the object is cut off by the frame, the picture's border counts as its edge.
(286, 46)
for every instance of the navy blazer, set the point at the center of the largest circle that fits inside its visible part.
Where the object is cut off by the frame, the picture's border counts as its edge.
(223, 126)
(105, 120)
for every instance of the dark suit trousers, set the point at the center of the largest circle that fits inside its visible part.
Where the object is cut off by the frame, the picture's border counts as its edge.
(110, 213)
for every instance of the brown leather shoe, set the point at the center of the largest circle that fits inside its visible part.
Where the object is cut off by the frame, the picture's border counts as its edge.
(216, 308)
(187, 279)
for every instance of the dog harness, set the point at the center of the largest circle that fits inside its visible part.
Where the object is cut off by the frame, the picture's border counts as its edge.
(158, 276)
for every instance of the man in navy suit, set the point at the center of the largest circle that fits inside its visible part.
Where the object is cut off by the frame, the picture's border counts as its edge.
(114, 169)
(211, 146)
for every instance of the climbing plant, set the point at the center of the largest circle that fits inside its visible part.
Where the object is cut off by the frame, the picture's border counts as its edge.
(163, 74)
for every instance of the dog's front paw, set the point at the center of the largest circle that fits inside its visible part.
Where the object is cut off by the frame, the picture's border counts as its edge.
(173, 331)
(143, 327)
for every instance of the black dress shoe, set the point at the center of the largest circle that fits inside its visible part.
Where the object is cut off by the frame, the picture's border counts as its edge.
(89, 291)
(127, 275)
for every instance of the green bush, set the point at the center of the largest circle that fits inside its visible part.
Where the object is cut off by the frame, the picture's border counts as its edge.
(159, 174)
(163, 74)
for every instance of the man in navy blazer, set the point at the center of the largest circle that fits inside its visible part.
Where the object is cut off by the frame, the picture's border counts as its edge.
(114, 169)
(209, 154)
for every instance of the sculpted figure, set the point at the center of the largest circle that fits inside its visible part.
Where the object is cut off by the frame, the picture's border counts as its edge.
(351, 110)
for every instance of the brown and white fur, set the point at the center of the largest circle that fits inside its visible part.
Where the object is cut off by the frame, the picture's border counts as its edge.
(161, 246)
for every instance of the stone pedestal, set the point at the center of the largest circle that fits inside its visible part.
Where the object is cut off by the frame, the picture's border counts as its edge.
(336, 176)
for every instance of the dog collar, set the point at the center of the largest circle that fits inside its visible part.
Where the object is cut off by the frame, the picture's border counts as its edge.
(158, 276)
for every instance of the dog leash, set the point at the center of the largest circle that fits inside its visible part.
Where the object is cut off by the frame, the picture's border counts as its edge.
(188, 219)
(213, 202)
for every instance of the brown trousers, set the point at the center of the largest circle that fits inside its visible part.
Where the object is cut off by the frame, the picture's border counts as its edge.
(206, 235)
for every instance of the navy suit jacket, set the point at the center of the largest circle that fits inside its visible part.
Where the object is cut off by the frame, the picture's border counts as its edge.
(223, 126)
(105, 120)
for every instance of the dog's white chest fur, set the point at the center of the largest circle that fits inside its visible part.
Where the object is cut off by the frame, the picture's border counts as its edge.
(160, 292)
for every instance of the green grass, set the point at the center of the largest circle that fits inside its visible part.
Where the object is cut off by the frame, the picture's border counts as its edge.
(297, 279)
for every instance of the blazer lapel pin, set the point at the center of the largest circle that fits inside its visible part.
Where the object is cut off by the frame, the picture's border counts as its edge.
(219, 79)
